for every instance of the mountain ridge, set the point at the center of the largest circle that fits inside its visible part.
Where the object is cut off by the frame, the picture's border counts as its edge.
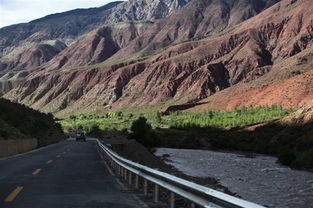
(191, 71)
(67, 27)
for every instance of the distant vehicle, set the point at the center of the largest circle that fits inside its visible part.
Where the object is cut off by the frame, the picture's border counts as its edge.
(80, 136)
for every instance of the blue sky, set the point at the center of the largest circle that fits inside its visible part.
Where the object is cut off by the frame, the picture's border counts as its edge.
(19, 11)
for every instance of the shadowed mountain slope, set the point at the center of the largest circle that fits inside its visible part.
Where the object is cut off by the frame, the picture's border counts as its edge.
(33, 56)
(20, 122)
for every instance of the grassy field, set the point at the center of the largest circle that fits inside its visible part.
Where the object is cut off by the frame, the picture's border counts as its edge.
(122, 120)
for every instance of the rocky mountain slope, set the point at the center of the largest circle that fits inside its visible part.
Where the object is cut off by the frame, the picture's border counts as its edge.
(199, 19)
(304, 115)
(289, 83)
(17, 39)
(33, 56)
(98, 45)
(241, 66)
(63, 26)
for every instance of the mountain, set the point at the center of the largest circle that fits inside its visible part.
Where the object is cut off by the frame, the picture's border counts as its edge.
(68, 26)
(33, 56)
(289, 83)
(239, 65)
(63, 26)
(98, 45)
(199, 19)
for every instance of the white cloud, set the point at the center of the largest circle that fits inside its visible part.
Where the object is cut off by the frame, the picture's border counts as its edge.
(20, 11)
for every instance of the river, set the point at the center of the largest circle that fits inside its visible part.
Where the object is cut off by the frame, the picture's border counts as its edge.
(258, 179)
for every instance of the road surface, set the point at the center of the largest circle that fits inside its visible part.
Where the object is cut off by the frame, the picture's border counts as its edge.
(65, 175)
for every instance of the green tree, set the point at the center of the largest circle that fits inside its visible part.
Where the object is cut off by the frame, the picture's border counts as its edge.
(158, 118)
(142, 132)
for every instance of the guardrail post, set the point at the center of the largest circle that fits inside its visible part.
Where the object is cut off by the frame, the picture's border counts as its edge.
(156, 193)
(145, 187)
(125, 175)
(137, 182)
(193, 205)
(172, 200)
(130, 178)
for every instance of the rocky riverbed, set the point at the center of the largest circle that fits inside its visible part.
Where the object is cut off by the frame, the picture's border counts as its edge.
(258, 178)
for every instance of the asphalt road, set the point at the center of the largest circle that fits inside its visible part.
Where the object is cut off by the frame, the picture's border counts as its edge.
(65, 175)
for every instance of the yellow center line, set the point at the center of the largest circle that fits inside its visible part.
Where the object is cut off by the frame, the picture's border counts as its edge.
(49, 161)
(36, 171)
(14, 193)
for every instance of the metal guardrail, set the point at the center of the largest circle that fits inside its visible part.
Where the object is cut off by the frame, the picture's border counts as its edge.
(197, 195)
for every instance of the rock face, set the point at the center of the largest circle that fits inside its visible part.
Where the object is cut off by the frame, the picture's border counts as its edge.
(33, 56)
(24, 47)
(97, 45)
(241, 66)
(302, 116)
(70, 25)
(63, 26)
(289, 83)
(199, 19)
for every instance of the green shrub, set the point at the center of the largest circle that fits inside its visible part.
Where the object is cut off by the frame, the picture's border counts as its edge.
(4, 133)
(304, 159)
(286, 156)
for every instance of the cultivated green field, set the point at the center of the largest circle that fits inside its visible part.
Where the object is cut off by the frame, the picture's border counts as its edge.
(122, 120)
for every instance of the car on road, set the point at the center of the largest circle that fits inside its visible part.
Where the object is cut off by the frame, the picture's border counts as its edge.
(81, 136)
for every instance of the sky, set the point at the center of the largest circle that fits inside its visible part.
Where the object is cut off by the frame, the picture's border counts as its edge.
(21, 11)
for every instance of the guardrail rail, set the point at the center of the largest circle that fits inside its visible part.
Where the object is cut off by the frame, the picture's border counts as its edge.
(141, 177)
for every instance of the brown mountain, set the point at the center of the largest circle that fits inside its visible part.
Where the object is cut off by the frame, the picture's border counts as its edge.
(69, 26)
(32, 57)
(289, 83)
(273, 48)
(97, 45)
(199, 19)
(93, 35)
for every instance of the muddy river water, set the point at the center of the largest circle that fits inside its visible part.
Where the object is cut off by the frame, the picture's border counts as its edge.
(258, 179)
